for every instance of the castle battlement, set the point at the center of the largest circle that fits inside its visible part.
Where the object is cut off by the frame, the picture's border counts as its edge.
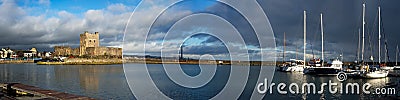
(89, 46)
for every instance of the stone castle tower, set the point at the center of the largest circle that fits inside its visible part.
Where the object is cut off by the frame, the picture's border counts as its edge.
(89, 46)
(88, 40)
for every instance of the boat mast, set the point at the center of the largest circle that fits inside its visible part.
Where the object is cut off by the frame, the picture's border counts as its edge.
(284, 46)
(379, 36)
(363, 34)
(304, 47)
(322, 37)
(296, 52)
(358, 46)
(386, 50)
(397, 53)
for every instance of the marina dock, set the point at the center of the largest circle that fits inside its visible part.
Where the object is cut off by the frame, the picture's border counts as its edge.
(21, 91)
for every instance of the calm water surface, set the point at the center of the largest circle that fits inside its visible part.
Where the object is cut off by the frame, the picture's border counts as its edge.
(97, 81)
(108, 81)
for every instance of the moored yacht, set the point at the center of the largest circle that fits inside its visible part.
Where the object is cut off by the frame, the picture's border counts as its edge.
(375, 73)
(363, 70)
(317, 65)
(294, 66)
(298, 65)
(315, 62)
(397, 67)
(385, 67)
(333, 67)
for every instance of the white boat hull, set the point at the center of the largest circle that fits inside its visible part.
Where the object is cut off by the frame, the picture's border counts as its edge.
(293, 69)
(387, 68)
(322, 70)
(377, 74)
(396, 67)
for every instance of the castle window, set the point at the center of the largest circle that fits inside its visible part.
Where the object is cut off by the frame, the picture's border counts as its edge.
(90, 40)
(94, 41)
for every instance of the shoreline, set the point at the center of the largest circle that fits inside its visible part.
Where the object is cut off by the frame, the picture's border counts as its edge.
(90, 61)
(16, 61)
(112, 61)
(84, 61)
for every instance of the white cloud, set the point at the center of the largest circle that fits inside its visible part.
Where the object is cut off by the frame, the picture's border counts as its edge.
(94, 15)
(10, 12)
(65, 15)
(43, 31)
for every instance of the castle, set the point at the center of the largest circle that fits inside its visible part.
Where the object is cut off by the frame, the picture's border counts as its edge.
(89, 46)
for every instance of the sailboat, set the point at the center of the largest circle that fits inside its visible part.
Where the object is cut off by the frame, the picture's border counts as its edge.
(284, 64)
(374, 72)
(383, 66)
(293, 65)
(397, 67)
(360, 66)
(334, 66)
(298, 65)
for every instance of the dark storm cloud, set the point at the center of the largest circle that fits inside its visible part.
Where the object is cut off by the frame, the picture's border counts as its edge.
(237, 20)
(342, 19)
(162, 24)
(287, 16)
(202, 49)
(208, 45)
(212, 40)
(212, 50)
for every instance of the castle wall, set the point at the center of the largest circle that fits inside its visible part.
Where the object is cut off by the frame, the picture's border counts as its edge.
(104, 51)
(65, 50)
(62, 50)
(89, 46)
(75, 51)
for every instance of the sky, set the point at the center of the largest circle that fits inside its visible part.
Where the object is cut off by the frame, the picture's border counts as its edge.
(47, 23)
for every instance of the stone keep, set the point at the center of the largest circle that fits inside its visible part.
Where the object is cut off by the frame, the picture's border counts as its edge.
(88, 40)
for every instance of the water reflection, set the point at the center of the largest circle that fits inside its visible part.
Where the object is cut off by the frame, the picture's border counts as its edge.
(98, 81)
(298, 78)
(108, 81)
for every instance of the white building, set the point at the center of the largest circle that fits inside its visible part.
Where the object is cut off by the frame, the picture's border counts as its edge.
(6, 52)
(48, 54)
(1, 54)
(28, 54)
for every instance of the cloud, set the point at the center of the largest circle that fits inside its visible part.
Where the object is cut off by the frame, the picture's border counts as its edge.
(342, 19)
(117, 8)
(48, 27)
(181, 22)
(22, 31)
